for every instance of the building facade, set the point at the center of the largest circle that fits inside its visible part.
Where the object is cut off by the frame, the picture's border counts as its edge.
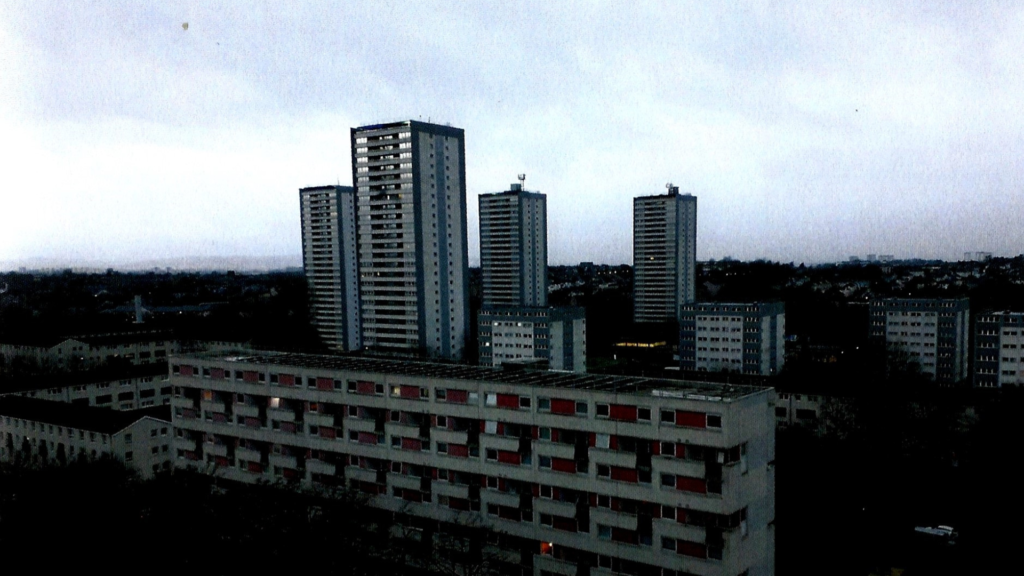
(740, 337)
(410, 180)
(597, 473)
(514, 248)
(329, 259)
(998, 347)
(92, 350)
(555, 336)
(933, 333)
(664, 255)
(34, 431)
(128, 388)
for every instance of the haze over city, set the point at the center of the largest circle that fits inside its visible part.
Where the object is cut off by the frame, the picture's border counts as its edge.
(809, 132)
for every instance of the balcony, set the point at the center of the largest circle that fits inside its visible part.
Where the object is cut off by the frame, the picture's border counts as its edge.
(360, 474)
(248, 454)
(212, 406)
(673, 529)
(403, 430)
(406, 482)
(554, 566)
(320, 419)
(215, 449)
(613, 458)
(321, 467)
(247, 410)
(500, 498)
(499, 443)
(281, 414)
(284, 461)
(185, 444)
(556, 450)
(612, 518)
(182, 402)
(554, 507)
(449, 489)
(691, 468)
(361, 425)
(449, 436)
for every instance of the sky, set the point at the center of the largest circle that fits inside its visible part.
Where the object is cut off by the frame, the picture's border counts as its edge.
(809, 131)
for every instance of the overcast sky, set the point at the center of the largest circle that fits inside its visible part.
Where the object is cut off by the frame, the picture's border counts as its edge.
(808, 131)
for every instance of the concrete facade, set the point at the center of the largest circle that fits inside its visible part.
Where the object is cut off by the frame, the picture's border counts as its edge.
(126, 389)
(932, 332)
(329, 259)
(514, 248)
(599, 474)
(998, 347)
(733, 337)
(410, 182)
(43, 432)
(664, 255)
(94, 349)
(556, 336)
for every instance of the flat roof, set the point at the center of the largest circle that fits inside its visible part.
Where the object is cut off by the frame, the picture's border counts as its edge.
(91, 418)
(45, 382)
(552, 379)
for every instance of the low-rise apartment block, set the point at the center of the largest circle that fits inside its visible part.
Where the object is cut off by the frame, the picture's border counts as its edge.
(41, 431)
(998, 347)
(92, 350)
(932, 332)
(555, 336)
(739, 337)
(127, 388)
(572, 473)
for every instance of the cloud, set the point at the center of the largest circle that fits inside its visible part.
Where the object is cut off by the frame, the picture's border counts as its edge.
(808, 131)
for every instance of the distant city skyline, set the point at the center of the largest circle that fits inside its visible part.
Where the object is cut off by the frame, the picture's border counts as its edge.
(810, 133)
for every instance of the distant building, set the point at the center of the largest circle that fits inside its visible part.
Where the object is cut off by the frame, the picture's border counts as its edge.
(92, 349)
(514, 248)
(40, 431)
(932, 332)
(410, 180)
(872, 257)
(569, 473)
(797, 409)
(557, 336)
(736, 337)
(329, 259)
(128, 388)
(664, 255)
(998, 350)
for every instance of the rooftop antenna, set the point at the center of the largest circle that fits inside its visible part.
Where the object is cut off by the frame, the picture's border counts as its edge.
(522, 180)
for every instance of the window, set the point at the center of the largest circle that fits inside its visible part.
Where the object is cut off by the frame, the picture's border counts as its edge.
(668, 449)
(602, 441)
(127, 438)
(668, 543)
(524, 401)
(490, 427)
(492, 454)
(491, 400)
(128, 456)
(668, 480)
(603, 532)
(602, 410)
(714, 421)
(442, 448)
(544, 433)
(544, 461)
(643, 414)
(581, 407)
(668, 417)
(604, 471)
(442, 421)
(543, 404)
(441, 394)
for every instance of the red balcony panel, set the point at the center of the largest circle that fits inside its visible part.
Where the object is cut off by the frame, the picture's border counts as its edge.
(680, 450)
(695, 549)
(250, 376)
(624, 474)
(655, 448)
(458, 503)
(290, 473)
(187, 371)
(563, 465)
(326, 384)
(623, 413)
(564, 524)
(191, 455)
(286, 379)
(691, 419)
(220, 418)
(221, 461)
(412, 495)
(506, 457)
(328, 432)
(457, 396)
(252, 422)
(624, 535)
(563, 406)
(365, 387)
(189, 413)
(510, 513)
(367, 438)
(410, 392)
(254, 467)
(411, 444)
(508, 401)
(688, 484)
(289, 427)
(458, 450)
(217, 373)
